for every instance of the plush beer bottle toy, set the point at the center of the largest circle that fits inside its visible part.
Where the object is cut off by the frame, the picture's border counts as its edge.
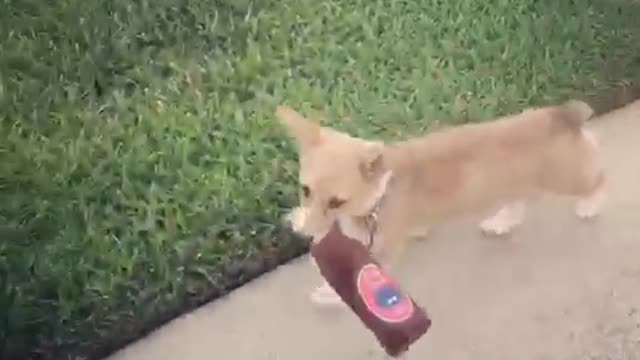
(370, 292)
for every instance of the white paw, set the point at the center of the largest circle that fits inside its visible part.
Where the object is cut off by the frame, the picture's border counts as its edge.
(586, 210)
(325, 295)
(590, 207)
(297, 218)
(505, 220)
(496, 225)
(591, 138)
(421, 233)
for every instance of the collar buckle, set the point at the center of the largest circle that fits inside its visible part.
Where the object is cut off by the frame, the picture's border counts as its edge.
(371, 221)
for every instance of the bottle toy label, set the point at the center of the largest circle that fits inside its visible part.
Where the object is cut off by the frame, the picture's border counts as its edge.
(382, 296)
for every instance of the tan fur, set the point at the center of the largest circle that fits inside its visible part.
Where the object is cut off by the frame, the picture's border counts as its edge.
(444, 173)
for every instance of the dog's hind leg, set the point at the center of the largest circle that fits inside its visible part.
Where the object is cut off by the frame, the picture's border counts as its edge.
(575, 170)
(506, 219)
(589, 206)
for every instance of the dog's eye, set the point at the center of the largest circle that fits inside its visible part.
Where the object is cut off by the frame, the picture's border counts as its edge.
(306, 192)
(335, 202)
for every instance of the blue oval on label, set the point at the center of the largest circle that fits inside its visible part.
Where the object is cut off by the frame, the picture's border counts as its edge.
(382, 296)
(387, 296)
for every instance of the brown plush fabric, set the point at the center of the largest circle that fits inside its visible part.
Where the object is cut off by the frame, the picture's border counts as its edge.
(341, 260)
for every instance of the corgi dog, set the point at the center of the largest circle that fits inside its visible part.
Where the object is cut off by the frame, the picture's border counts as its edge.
(384, 194)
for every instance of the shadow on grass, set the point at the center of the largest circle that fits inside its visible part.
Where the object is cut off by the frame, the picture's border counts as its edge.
(48, 67)
(239, 272)
(621, 63)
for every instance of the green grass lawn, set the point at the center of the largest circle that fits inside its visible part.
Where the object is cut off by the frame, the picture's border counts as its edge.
(141, 168)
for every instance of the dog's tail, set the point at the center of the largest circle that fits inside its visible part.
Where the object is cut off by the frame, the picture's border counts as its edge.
(574, 113)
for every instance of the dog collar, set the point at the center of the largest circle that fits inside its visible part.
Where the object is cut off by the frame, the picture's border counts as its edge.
(371, 222)
(371, 218)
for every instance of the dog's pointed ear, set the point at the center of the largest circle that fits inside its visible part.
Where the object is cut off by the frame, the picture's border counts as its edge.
(372, 163)
(307, 133)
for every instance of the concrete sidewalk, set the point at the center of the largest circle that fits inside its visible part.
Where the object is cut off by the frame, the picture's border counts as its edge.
(557, 288)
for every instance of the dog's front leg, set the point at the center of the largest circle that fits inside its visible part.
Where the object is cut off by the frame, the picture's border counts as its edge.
(324, 293)
(389, 245)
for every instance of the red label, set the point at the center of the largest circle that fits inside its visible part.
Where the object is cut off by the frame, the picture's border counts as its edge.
(382, 296)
